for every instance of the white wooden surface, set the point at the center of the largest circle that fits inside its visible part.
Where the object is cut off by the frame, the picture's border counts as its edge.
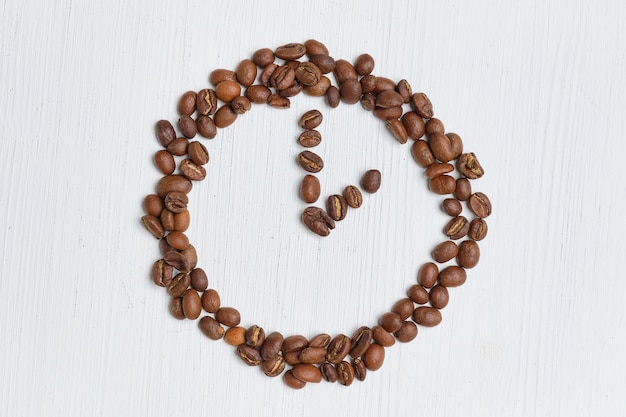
(535, 88)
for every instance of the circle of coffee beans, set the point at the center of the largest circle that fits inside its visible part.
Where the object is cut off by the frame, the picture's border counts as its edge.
(273, 77)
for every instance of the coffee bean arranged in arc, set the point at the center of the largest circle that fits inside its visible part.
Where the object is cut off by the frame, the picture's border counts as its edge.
(273, 367)
(337, 207)
(206, 102)
(463, 189)
(272, 345)
(178, 147)
(153, 225)
(422, 105)
(310, 138)
(235, 336)
(162, 273)
(407, 332)
(439, 297)
(360, 371)
(452, 276)
(353, 196)
(469, 254)
(420, 150)
(198, 153)
(414, 125)
(310, 161)
(452, 207)
(382, 337)
(165, 162)
(165, 132)
(311, 119)
(338, 348)
(310, 188)
(361, 339)
(364, 64)
(153, 204)
(333, 97)
(481, 206)
(329, 372)
(404, 89)
(199, 280)
(345, 372)
(445, 251)
(418, 294)
(457, 228)
(228, 316)
(192, 307)
(290, 51)
(370, 181)
(469, 166)
(318, 221)
(478, 229)
(442, 184)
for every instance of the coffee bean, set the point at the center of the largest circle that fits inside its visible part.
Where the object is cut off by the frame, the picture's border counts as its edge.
(368, 101)
(387, 113)
(170, 183)
(414, 125)
(427, 316)
(311, 119)
(225, 116)
(404, 308)
(211, 328)
(361, 339)
(290, 51)
(345, 372)
(179, 284)
(266, 74)
(320, 340)
(187, 103)
(374, 357)
(307, 373)
(397, 129)
(198, 153)
(246, 72)
(187, 126)
(273, 367)
(241, 104)
(192, 307)
(310, 162)
(420, 150)
(439, 297)
(441, 147)
(350, 91)
(442, 184)
(167, 220)
(344, 71)
(384, 84)
(329, 373)
(469, 254)
(178, 147)
(206, 127)
(293, 90)
(219, 75)
(456, 228)
(249, 355)
(228, 316)
(353, 196)
(192, 257)
(404, 89)
(481, 206)
(181, 221)
(382, 337)
(227, 91)
(389, 98)
(452, 276)
(292, 382)
(360, 372)
(177, 240)
(338, 348)
(364, 64)
(283, 77)
(390, 321)
(310, 188)
(370, 181)
(308, 73)
(469, 166)
(368, 84)
(451, 206)
(422, 105)
(153, 204)
(263, 57)
(314, 47)
(199, 280)
(445, 251)
(153, 225)
(337, 207)
(313, 355)
(463, 189)
(278, 102)
(258, 94)
(211, 301)
(272, 345)
(310, 138)
(206, 102)
(164, 161)
(332, 96)
(456, 143)
(162, 273)
(478, 229)
(427, 275)
(434, 125)
(294, 343)
(165, 132)
(437, 169)
(192, 171)
(236, 336)
(255, 336)
(418, 294)
(319, 89)
(407, 332)
(176, 308)
(323, 62)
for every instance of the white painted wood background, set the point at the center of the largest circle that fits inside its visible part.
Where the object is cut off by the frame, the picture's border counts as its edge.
(535, 88)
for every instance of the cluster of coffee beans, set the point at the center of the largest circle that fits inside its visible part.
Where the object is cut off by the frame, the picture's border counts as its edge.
(271, 77)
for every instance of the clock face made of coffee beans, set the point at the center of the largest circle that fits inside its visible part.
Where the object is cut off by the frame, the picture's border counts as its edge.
(274, 77)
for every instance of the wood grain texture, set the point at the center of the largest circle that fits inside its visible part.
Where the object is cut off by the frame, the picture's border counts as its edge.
(536, 91)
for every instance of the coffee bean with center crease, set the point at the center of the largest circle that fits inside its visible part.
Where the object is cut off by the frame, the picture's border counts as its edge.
(422, 105)
(370, 181)
(318, 221)
(457, 228)
(272, 345)
(310, 161)
(249, 355)
(198, 153)
(310, 138)
(192, 171)
(345, 372)
(273, 367)
(338, 348)
(337, 207)
(290, 51)
(176, 308)
(179, 284)
(311, 119)
(255, 336)
(329, 373)
(206, 102)
(478, 229)
(353, 196)
(153, 225)
(282, 77)
(481, 206)
(361, 340)
(308, 73)
(162, 273)
(165, 132)
(469, 166)
(292, 382)
(404, 89)
(360, 371)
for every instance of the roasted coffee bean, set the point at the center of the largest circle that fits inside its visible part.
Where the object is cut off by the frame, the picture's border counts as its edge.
(211, 328)
(258, 94)
(370, 181)
(162, 273)
(290, 51)
(236, 336)
(456, 143)
(364, 64)
(387, 113)
(469, 166)
(456, 228)
(294, 343)
(353, 196)
(439, 297)
(210, 301)
(255, 336)
(428, 274)
(452, 276)
(271, 346)
(332, 96)
(479, 204)
(283, 77)
(167, 220)
(422, 105)
(292, 382)
(308, 73)
(249, 355)
(435, 125)
(469, 254)
(451, 206)
(177, 240)
(192, 171)
(273, 367)
(291, 91)
(266, 74)
(350, 91)
(263, 57)
(191, 255)
(404, 308)
(278, 102)
(310, 138)
(442, 184)
(360, 371)
(437, 169)
(179, 284)
(187, 126)
(361, 339)
(307, 372)
(478, 229)
(420, 150)
(310, 188)
(397, 129)
(404, 89)
(228, 316)
(219, 75)
(153, 225)
(319, 89)
(374, 357)
(318, 221)
(389, 98)
(153, 204)
(225, 116)
(390, 321)
(206, 102)
(176, 308)
(165, 132)
(192, 307)
(313, 355)
(407, 332)
(246, 72)
(463, 189)
(427, 316)
(320, 340)
(206, 127)
(311, 119)
(181, 221)
(368, 101)
(418, 294)
(292, 358)
(164, 161)
(338, 348)
(382, 337)
(414, 125)
(337, 207)
(325, 63)
(314, 47)
(198, 153)
(329, 373)
(164, 246)
(345, 372)
(445, 251)
(368, 84)
(170, 183)
(344, 71)
(441, 147)
(241, 104)
(384, 84)
(227, 91)
(199, 280)
(178, 147)
(310, 162)
(187, 103)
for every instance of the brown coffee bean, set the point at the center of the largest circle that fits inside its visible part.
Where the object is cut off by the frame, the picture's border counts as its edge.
(165, 132)
(360, 372)
(422, 105)
(325, 63)
(452, 206)
(292, 382)
(437, 169)
(463, 189)
(344, 71)
(434, 125)
(397, 129)
(258, 94)
(329, 373)
(452, 276)
(163, 246)
(179, 284)
(469, 254)
(308, 73)
(236, 336)
(278, 102)
(361, 339)
(206, 102)
(479, 204)
(176, 308)
(294, 343)
(384, 84)
(272, 345)
(228, 316)
(427, 316)
(181, 221)
(404, 89)
(364, 64)
(187, 103)
(368, 84)
(211, 328)
(178, 147)
(177, 240)
(469, 166)
(418, 294)
(414, 125)
(282, 77)
(263, 57)
(311, 119)
(332, 96)
(225, 116)
(337, 207)
(167, 219)
(162, 273)
(387, 113)
(227, 91)
(370, 181)
(292, 358)
(164, 161)
(439, 297)
(291, 91)
(290, 51)
(249, 355)
(428, 274)
(338, 348)
(382, 337)
(390, 321)
(353, 196)
(191, 255)
(170, 183)
(368, 101)
(319, 89)
(320, 340)
(310, 138)
(192, 171)
(192, 307)
(407, 332)
(219, 75)
(404, 308)
(198, 153)
(389, 98)
(456, 228)
(153, 225)
(310, 161)
(255, 336)
(310, 188)
(441, 147)
(442, 184)
(153, 204)
(345, 372)
(420, 150)
(266, 74)
(478, 229)
(206, 127)
(445, 251)
(199, 280)
(246, 72)
(350, 91)
(456, 143)
(318, 221)
(187, 126)
(273, 367)
(241, 104)
(374, 357)
(313, 355)
(307, 372)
